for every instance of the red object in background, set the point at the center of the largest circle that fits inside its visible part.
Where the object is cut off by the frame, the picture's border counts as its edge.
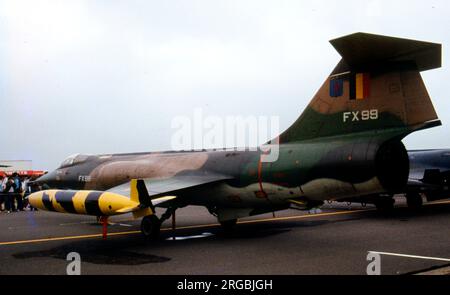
(26, 173)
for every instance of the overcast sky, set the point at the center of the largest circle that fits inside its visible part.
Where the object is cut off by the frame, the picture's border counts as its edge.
(109, 76)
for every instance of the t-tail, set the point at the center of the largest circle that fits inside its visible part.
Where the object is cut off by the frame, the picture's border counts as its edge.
(376, 86)
(354, 125)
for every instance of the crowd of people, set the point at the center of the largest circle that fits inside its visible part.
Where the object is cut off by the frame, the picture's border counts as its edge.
(14, 191)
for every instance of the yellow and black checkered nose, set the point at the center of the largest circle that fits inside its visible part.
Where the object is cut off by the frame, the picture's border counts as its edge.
(95, 203)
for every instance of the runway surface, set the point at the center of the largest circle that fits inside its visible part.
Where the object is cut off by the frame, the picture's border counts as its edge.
(335, 241)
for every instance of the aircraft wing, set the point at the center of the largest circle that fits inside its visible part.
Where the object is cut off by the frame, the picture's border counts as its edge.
(159, 188)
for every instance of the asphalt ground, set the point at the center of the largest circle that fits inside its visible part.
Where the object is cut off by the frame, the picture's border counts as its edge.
(335, 240)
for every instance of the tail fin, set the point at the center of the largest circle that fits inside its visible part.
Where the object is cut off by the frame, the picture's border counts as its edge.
(376, 86)
(139, 193)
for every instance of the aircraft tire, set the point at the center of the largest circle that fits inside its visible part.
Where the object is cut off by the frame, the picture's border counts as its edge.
(150, 227)
(414, 201)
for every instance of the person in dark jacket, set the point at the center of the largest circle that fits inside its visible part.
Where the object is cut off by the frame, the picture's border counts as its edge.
(32, 188)
(8, 194)
(2, 199)
(18, 191)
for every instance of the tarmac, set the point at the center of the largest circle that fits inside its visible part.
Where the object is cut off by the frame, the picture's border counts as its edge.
(335, 240)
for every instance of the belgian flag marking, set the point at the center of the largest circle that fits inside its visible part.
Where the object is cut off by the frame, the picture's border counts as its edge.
(359, 86)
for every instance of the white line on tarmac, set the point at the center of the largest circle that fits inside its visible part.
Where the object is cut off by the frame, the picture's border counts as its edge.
(125, 224)
(77, 223)
(411, 256)
(179, 238)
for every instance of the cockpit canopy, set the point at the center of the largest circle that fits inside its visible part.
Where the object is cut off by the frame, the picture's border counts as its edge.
(74, 159)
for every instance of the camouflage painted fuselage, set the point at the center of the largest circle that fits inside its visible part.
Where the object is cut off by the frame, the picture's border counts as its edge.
(308, 172)
(346, 143)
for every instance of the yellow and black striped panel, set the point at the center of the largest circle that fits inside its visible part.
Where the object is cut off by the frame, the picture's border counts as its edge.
(110, 203)
(52, 202)
(79, 201)
(62, 201)
(58, 200)
(91, 203)
(95, 203)
(35, 200)
(46, 198)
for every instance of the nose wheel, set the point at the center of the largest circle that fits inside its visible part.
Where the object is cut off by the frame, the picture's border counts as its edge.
(150, 227)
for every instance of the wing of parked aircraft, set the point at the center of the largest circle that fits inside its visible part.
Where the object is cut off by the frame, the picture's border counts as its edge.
(159, 187)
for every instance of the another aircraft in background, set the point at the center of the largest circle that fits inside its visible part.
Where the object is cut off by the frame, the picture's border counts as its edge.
(429, 177)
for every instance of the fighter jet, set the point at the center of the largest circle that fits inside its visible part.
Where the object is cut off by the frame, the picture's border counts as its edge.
(346, 143)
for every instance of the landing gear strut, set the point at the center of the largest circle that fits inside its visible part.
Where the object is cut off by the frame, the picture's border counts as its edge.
(414, 201)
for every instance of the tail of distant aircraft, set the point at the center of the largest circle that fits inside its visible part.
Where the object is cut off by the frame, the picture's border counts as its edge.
(376, 86)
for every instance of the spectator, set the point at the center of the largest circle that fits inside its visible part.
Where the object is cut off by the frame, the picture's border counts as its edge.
(18, 191)
(2, 188)
(25, 191)
(9, 195)
(33, 187)
(1, 194)
(3, 182)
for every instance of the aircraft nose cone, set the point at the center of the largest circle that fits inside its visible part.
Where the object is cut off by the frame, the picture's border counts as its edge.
(47, 178)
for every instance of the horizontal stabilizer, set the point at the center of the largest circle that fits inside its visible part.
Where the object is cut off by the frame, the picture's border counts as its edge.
(361, 49)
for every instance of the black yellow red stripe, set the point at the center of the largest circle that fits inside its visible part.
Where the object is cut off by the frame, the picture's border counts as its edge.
(359, 86)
